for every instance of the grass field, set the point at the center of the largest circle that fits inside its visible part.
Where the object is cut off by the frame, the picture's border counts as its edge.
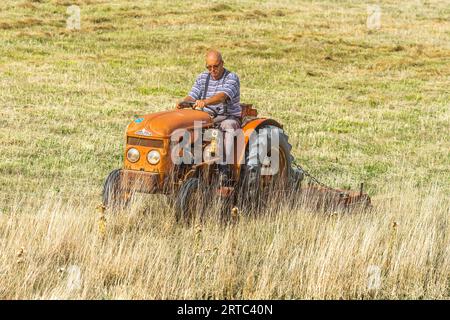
(359, 105)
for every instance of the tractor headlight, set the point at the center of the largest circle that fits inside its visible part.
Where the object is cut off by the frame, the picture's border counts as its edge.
(153, 157)
(133, 155)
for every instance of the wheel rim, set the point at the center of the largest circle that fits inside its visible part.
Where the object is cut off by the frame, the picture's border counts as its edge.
(280, 176)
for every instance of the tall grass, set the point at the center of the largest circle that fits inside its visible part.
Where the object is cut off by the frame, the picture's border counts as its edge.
(59, 249)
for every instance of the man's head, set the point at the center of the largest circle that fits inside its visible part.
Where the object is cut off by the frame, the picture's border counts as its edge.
(214, 64)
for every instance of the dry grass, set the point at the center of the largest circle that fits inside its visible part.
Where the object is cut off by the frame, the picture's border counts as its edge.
(358, 105)
(288, 253)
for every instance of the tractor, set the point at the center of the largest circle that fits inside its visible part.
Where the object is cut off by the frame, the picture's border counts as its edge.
(152, 165)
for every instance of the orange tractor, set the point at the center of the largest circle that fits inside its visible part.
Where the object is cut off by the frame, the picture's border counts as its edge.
(149, 166)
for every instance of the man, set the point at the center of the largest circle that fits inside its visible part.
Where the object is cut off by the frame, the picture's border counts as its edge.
(217, 91)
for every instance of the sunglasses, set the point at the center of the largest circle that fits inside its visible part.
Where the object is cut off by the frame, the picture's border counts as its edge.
(215, 67)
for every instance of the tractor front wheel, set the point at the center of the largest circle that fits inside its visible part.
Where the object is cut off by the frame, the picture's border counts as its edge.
(189, 202)
(114, 197)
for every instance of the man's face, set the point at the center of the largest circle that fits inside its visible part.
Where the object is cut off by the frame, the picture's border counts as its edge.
(214, 66)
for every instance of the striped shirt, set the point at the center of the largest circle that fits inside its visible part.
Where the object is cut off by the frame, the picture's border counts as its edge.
(229, 85)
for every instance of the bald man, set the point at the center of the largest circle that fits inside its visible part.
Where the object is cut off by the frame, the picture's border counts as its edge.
(217, 91)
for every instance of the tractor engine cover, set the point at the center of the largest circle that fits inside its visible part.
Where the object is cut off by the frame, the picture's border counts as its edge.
(163, 124)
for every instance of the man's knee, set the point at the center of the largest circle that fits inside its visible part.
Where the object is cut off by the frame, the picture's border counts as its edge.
(229, 124)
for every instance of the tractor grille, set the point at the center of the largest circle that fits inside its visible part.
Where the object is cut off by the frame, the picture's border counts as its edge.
(152, 143)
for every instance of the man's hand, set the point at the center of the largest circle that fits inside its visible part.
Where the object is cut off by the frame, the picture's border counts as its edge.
(179, 104)
(187, 98)
(199, 104)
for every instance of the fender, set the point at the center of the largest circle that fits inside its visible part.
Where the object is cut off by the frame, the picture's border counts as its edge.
(248, 129)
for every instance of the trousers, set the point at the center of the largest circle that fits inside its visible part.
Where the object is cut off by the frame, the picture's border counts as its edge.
(228, 125)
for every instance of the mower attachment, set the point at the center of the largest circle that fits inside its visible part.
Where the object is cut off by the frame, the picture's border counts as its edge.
(327, 199)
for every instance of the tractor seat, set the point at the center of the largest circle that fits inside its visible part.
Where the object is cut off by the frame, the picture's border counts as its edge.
(248, 110)
(248, 113)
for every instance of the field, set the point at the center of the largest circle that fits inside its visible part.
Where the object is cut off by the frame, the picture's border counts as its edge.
(359, 104)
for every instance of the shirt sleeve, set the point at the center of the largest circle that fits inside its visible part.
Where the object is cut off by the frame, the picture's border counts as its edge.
(196, 90)
(231, 86)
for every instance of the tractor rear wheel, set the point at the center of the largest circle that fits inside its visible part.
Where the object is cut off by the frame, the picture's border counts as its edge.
(114, 197)
(260, 184)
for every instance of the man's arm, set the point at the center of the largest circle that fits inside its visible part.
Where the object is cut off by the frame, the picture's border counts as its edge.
(215, 99)
(229, 91)
(194, 94)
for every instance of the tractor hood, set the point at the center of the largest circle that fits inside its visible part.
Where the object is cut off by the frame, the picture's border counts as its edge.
(163, 124)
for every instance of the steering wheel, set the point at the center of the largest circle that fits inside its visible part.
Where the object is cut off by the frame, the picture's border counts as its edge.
(186, 104)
